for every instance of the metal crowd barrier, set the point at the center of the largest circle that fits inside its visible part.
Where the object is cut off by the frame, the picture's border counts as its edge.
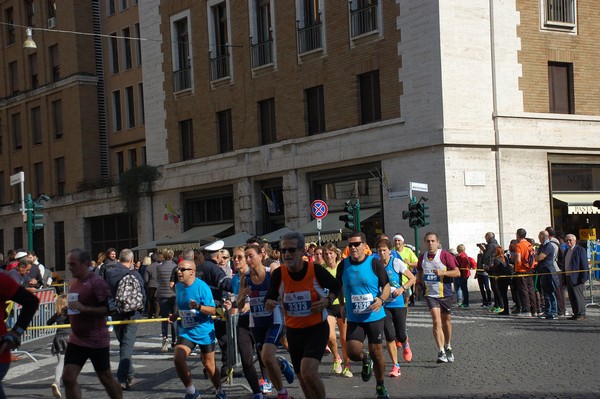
(45, 310)
(593, 275)
(233, 355)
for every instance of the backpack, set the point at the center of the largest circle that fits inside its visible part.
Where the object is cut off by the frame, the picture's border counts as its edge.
(530, 257)
(129, 297)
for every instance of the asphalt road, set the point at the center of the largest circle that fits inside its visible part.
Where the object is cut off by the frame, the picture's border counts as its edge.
(496, 357)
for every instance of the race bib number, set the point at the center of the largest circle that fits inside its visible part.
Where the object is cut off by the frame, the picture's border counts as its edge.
(188, 318)
(257, 307)
(431, 278)
(361, 303)
(297, 303)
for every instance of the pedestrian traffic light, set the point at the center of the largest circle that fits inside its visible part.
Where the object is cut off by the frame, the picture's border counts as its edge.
(34, 217)
(349, 218)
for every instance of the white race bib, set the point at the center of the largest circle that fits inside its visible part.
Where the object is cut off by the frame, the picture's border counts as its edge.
(188, 318)
(297, 303)
(361, 303)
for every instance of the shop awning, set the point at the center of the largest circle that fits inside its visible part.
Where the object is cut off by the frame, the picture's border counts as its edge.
(191, 238)
(332, 226)
(580, 203)
(236, 240)
(275, 236)
(146, 245)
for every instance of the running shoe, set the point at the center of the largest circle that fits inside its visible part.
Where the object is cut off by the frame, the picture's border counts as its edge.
(367, 368)
(165, 345)
(284, 395)
(395, 371)
(347, 373)
(265, 386)
(442, 357)
(449, 355)
(286, 369)
(499, 310)
(382, 392)
(407, 353)
(220, 395)
(194, 395)
(56, 391)
(463, 305)
(337, 366)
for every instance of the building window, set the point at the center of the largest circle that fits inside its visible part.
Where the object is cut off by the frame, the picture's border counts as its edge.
(51, 8)
(1, 143)
(261, 39)
(10, 26)
(560, 88)
(55, 63)
(224, 131)
(14, 78)
(120, 163)
(111, 8)
(30, 13)
(38, 171)
(36, 125)
(266, 115)
(186, 133)
(117, 117)
(370, 102)
(209, 210)
(559, 14)
(127, 57)
(141, 103)
(309, 26)
(315, 109)
(144, 157)
(132, 158)
(182, 62)
(138, 44)
(18, 237)
(16, 128)
(113, 51)
(124, 5)
(59, 246)
(130, 104)
(364, 17)
(2, 193)
(60, 176)
(33, 71)
(219, 38)
(112, 231)
(57, 120)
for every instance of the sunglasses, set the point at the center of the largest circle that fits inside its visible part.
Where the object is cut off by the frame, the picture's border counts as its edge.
(355, 244)
(225, 257)
(291, 250)
(184, 269)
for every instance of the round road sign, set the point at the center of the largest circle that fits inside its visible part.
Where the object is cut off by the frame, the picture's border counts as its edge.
(318, 209)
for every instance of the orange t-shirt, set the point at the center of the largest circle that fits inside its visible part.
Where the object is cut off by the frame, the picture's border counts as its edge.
(522, 248)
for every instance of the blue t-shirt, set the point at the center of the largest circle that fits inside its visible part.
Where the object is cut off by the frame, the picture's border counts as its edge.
(195, 326)
(361, 286)
(395, 270)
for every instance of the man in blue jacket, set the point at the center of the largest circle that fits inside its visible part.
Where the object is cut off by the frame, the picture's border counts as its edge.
(577, 269)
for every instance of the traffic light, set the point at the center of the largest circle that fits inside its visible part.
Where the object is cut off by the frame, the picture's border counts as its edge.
(349, 218)
(424, 214)
(415, 214)
(36, 215)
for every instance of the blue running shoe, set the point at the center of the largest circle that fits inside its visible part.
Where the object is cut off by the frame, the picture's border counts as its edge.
(220, 395)
(286, 369)
(194, 395)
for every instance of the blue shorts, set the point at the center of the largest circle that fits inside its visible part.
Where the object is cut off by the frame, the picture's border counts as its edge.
(266, 335)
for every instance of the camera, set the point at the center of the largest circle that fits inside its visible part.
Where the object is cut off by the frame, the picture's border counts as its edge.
(481, 244)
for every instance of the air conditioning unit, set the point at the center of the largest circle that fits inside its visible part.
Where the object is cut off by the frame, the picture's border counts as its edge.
(51, 22)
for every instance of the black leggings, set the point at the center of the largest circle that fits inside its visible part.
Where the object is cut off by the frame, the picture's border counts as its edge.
(245, 343)
(395, 324)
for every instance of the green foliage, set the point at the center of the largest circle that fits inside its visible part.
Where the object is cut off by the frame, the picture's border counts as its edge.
(133, 181)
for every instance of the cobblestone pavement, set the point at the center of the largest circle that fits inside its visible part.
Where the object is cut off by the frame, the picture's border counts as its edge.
(496, 357)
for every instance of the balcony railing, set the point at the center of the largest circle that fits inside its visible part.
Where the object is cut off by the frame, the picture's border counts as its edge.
(262, 53)
(219, 67)
(182, 79)
(560, 12)
(363, 20)
(309, 38)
